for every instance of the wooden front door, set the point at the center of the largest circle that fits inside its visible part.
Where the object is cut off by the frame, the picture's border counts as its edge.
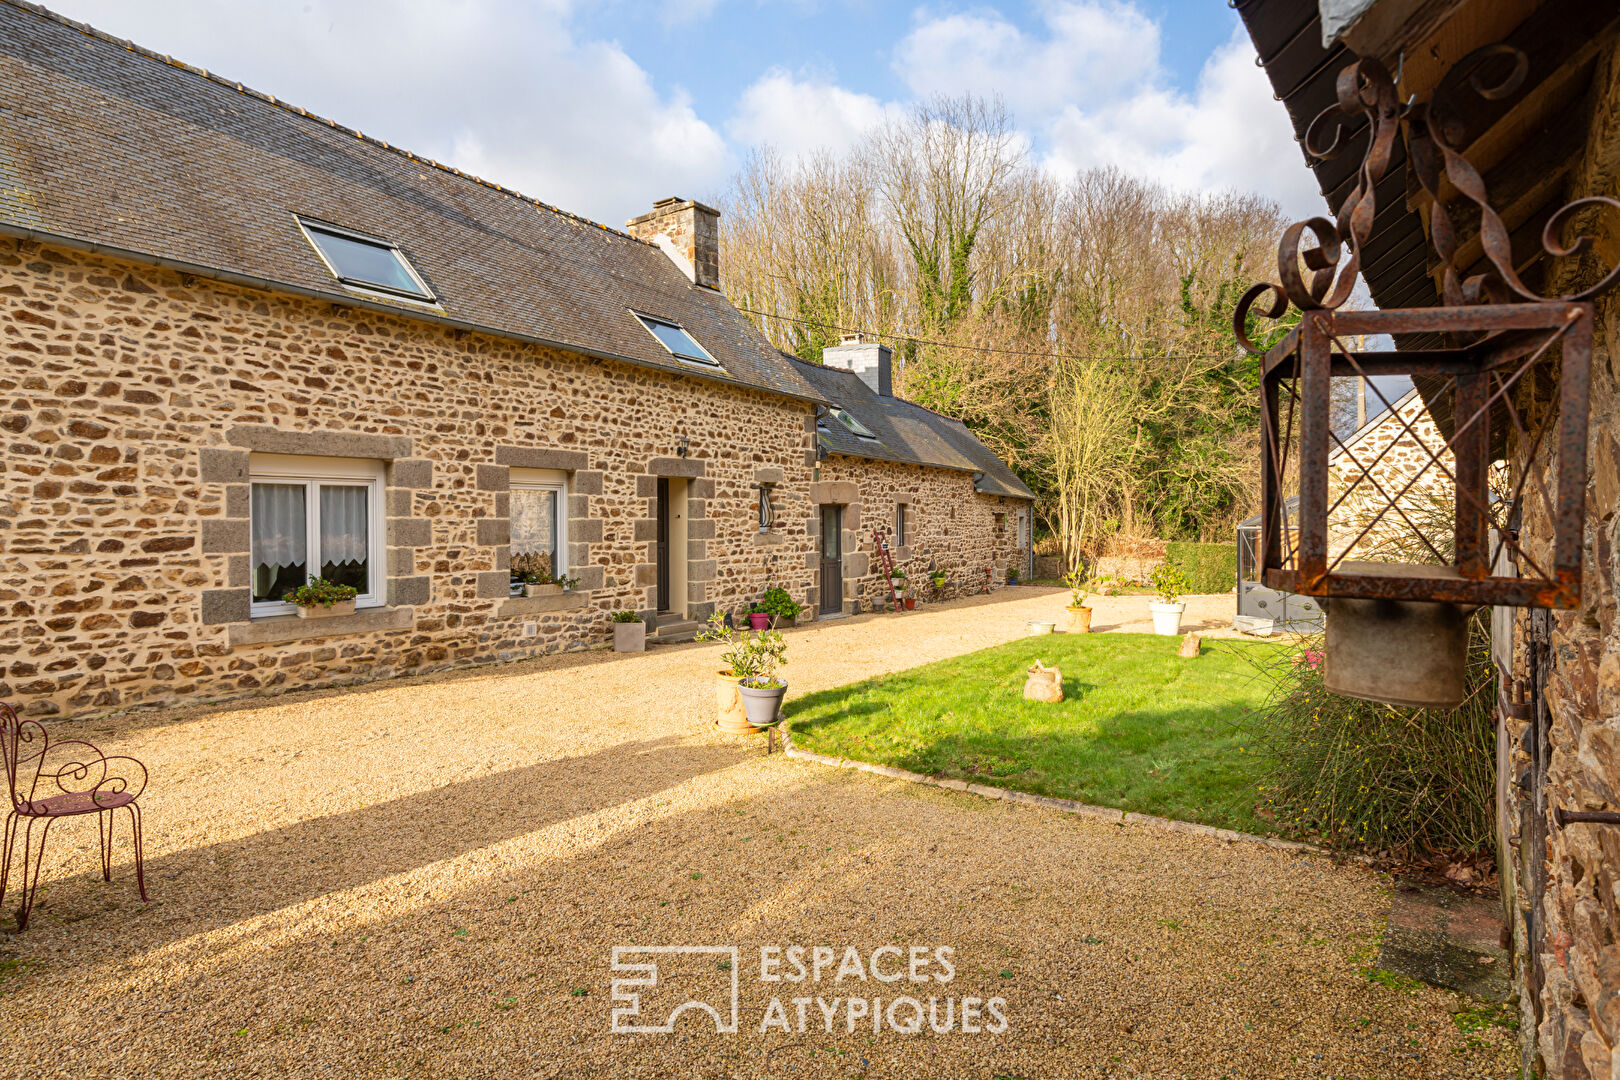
(663, 543)
(832, 560)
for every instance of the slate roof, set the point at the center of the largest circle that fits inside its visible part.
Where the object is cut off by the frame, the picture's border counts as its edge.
(104, 144)
(906, 432)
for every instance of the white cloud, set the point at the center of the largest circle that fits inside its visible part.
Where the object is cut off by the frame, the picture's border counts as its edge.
(503, 89)
(798, 116)
(1089, 89)
(1090, 49)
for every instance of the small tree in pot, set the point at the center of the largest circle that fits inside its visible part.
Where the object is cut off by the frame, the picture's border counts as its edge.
(1170, 583)
(762, 652)
(629, 632)
(1080, 586)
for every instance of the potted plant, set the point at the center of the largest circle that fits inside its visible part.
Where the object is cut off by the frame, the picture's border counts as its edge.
(322, 599)
(1080, 586)
(1012, 575)
(762, 692)
(730, 715)
(939, 578)
(759, 617)
(780, 606)
(1170, 583)
(629, 632)
(531, 572)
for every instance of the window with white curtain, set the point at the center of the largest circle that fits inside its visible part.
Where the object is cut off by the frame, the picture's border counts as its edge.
(539, 514)
(315, 517)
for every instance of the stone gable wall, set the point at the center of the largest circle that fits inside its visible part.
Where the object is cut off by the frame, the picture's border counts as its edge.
(950, 525)
(1394, 457)
(132, 397)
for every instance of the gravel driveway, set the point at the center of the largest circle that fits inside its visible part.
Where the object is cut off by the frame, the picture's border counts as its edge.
(428, 878)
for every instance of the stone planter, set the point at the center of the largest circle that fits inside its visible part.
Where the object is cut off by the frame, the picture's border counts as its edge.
(762, 704)
(543, 590)
(629, 637)
(319, 611)
(1167, 617)
(729, 713)
(1079, 621)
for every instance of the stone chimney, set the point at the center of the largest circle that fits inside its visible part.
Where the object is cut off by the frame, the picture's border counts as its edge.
(688, 232)
(867, 359)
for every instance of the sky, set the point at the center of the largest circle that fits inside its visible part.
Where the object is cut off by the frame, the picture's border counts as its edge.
(601, 108)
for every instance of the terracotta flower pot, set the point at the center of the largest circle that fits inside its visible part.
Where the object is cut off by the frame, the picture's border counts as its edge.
(911, 603)
(730, 715)
(1079, 620)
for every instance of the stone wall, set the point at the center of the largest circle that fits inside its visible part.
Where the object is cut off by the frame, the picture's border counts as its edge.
(1573, 1024)
(1393, 451)
(132, 398)
(950, 526)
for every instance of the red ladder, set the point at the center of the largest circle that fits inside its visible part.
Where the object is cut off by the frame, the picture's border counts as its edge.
(886, 561)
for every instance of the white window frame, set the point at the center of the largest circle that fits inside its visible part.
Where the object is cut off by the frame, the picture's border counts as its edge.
(548, 480)
(426, 295)
(312, 472)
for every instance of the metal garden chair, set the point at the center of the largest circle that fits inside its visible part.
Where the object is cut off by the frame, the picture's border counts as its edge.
(86, 781)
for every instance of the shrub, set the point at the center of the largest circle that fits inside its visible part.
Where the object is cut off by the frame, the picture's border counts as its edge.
(626, 616)
(1169, 583)
(1361, 774)
(319, 592)
(778, 603)
(1209, 568)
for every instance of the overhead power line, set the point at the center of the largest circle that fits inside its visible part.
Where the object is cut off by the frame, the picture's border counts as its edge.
(976, 348)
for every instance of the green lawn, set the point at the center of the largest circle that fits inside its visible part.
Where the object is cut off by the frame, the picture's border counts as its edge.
(1139, 728)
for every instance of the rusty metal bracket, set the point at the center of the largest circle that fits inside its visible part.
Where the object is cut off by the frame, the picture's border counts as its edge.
(1566, 818)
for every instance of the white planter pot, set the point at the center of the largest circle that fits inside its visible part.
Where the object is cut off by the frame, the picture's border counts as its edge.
(316, 611)
(1167, 618)
(542, 590)
(629, 637)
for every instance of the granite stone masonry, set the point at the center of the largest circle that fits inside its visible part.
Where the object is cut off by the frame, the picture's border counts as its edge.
(133, 399)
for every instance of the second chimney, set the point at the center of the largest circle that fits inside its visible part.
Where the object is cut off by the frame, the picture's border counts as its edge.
(867, 359)
(688, 232)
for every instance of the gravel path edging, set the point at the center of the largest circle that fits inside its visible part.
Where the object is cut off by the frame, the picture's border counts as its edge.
(1067, 806)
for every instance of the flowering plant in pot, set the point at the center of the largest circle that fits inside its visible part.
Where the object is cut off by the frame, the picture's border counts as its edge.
(1170, 583)
(320, 599)
(780, 606)
(629, 632)
(532, 571)
(759, 617)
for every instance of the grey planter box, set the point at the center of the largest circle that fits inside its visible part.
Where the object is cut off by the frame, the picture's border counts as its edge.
(629, 637)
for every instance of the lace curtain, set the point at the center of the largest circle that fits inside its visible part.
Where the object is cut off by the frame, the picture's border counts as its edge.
(343, 524)
(280, 529)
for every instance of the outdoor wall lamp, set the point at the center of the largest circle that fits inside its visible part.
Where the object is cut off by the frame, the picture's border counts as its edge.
(683, 447)
(1397, 590)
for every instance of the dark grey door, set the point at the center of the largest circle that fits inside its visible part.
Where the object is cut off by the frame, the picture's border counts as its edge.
(832, 556)
(663, 543)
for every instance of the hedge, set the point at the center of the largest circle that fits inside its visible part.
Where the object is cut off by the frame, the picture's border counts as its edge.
(1210, 568)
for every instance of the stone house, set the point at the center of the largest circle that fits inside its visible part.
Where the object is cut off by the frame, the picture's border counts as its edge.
(1389, 458)
(244, 346)
(1541, 133)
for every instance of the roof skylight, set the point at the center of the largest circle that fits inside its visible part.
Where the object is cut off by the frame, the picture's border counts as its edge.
(365, 262)
(681, 345)
(854, 425)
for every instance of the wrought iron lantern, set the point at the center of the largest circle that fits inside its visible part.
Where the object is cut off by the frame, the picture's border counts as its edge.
(1505, 363)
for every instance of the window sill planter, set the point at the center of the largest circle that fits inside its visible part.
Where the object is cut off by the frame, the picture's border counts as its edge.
(532, 591)
(629, 637)
(1079, 621)
(1167, 617)
(332, 611)
(730, 715)
(762, 704)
